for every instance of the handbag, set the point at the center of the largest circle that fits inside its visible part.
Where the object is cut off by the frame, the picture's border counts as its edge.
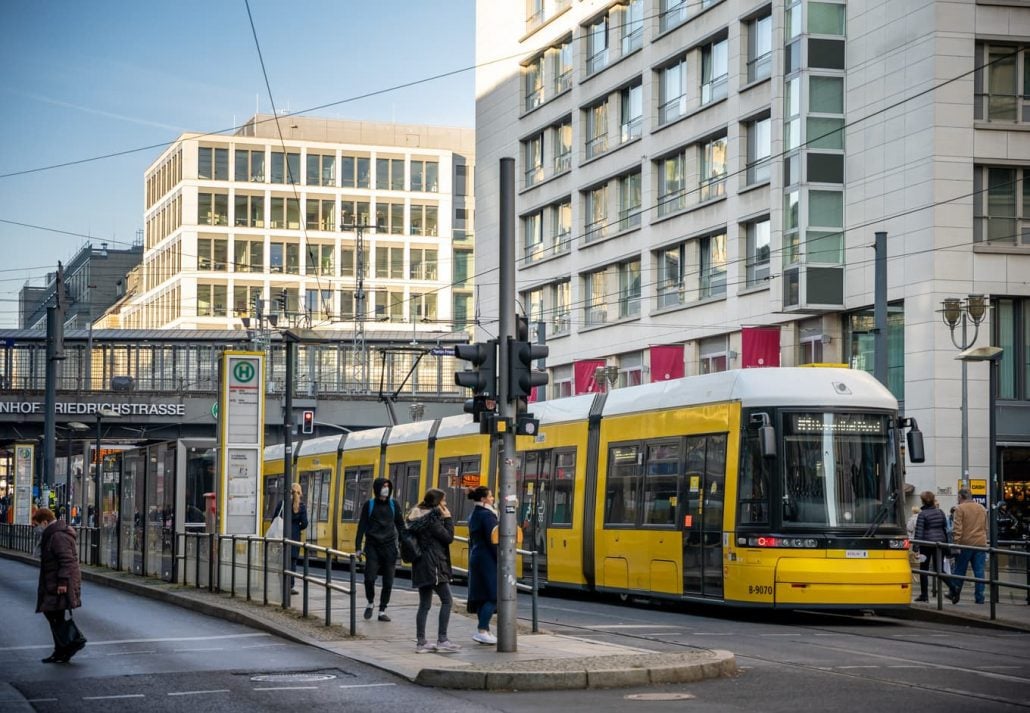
(69, 636)
(275, 529)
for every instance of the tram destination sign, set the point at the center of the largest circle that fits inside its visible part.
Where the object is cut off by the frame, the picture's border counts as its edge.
(80, 408)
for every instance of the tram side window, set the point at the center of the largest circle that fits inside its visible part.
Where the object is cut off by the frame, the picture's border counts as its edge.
(315, 485)
(273, 495)
(405, 477)
(456, 476)
(660, 483)
(357, 482)
(753, 491)
(564, 488)
(622, 494)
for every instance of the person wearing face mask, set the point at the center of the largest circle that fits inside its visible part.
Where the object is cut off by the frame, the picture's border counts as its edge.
(482, 598)
(60, 580)
(378, 526)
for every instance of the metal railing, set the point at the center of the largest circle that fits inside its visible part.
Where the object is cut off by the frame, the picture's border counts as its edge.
(992, 578)
(270, 554)
(534, 581)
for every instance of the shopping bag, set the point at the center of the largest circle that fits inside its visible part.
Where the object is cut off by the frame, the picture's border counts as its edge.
(275, 530)
(69, 637)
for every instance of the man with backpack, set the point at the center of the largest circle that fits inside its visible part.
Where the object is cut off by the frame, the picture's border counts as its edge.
(379, 528)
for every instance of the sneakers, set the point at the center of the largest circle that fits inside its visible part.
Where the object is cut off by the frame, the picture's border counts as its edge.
(294, 591)
(368, 612)
(484, 637)
(446, 647)
(423, 647)
(922, 599)
(383, 616)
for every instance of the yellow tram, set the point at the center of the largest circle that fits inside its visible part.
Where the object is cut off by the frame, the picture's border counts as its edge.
(773, 487)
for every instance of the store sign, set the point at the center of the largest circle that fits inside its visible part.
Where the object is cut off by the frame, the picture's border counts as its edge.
(78, 408)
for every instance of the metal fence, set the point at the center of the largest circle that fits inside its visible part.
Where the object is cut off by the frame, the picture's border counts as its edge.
(1005, 567)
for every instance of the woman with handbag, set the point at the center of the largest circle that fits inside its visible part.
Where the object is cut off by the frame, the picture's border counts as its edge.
(298, 523)
(433, 527)
(482, 599)
(60, 583)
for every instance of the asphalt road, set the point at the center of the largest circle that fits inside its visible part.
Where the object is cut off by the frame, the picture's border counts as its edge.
(146, 655)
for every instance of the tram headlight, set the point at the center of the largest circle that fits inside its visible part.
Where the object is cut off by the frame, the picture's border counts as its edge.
(789, 542)
(898, 544)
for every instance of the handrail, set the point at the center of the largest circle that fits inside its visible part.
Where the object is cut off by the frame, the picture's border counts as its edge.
(533, 587)
(991, 578)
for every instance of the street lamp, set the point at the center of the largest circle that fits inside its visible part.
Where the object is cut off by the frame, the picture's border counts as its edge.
(955, 311)
(993, 356)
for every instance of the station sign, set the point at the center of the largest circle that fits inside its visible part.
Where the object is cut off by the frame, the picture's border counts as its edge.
(241, 410)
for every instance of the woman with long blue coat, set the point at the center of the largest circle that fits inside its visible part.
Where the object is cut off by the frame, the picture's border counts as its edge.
(482, 562)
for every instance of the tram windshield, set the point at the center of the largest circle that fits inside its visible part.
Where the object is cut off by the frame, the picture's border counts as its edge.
(837, 468)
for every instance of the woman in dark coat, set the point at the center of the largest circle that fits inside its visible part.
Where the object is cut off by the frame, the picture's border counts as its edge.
(431, 524)
(932, 525)
(60, 580)
(483, 562)
(298, 523)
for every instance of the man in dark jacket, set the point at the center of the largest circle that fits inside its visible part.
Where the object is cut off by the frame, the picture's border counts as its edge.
(60, 580)
(378, 526)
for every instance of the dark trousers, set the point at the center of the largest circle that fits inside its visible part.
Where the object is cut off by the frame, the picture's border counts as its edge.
(379, 559)
(932, 563)
(425, 601)
(54, 618)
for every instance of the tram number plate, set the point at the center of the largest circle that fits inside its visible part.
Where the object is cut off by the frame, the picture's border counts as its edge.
(856, 554)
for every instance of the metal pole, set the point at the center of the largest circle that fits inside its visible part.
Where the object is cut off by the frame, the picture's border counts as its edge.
(992, 439)
(53, 337)
(965, 407)
(95, 539)
(507, 604)
(880, 308)
(289, 340)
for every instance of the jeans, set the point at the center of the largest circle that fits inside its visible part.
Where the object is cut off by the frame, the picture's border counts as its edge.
(961, 562)
(486, 611)
(930, 564)
(425, 601)
(379, 559)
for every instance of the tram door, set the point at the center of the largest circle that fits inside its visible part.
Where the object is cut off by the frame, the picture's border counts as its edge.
(133, 482)
(405, 477)
(702, 494)
(534, 486)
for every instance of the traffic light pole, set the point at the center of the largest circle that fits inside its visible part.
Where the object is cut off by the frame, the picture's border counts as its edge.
(507, 604)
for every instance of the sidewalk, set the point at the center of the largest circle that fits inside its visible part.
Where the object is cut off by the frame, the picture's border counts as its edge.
(1011, 610)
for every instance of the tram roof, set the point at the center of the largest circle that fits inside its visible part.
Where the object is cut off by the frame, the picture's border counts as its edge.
(416, 432)
(572, 408)
(221, 336)
(372, 438)
(322, 444)
(460, 425)
(774, 386)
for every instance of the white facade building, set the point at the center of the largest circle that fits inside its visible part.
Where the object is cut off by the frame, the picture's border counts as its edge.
(689, 169)
(234, 223)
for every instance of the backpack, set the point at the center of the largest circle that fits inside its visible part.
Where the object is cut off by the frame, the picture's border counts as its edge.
(411, 550)
(372, 501)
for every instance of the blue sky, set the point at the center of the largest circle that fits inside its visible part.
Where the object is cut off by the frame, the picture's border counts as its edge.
(83, 79)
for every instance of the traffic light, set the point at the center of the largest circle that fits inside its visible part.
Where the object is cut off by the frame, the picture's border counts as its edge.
(307, 423)
(482, 377)
(522, 377)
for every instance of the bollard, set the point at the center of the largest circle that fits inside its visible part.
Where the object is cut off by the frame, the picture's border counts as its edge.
(353, 594)
(328, 590)
(232, 564)
(304, 607)
(536, 582)
(210, 562)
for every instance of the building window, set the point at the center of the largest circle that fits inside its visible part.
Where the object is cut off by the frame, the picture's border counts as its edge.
(424, 220)
(321, 260)
(713, 169)
(715, 354)
(1001, 212)
(714, 71)
(464, 268)
(826, 18)
(561, 382)
(810, 342)
(629, 289)
(390, 174)
(633, 26)
(248, 256)
(1003, 83)
(629, 201)
(713, 266)
(285, 213)
(321, 170)
(859, 339)
(212, 253)
(423, 264)
(533, 236)
(212, 209)
(672, 91)
(597, 45)
(672, 184)
(319, 214)
(533, 159)
(673, 12)
(355, 171)
(561, 307)
(347, 266)
(355, 213)
(211, 300)
(561, 140)
(595, 298)
(249, 211)
(320, 303)
(596, 205)
(250, 166)
(390, 262)
(759, 48)
(288, 172)
(669, 264)
(461, 309)
(561, 59)
(596, 129)
(284, 258)
(1010, 320)
(759, 151)
(213, 163)
(245, 297)
(425, 176)
(631, 369)
(390, 218)
(631, 107)
(757, 265)
(389, 306)
(533, 81)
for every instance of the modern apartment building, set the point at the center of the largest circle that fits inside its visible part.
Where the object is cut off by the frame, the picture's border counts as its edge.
(699, 183)
(269, 220)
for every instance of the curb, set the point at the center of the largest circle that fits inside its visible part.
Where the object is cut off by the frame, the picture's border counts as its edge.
(565, 674)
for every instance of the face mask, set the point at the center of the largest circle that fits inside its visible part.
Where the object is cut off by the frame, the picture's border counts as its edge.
(384, 492)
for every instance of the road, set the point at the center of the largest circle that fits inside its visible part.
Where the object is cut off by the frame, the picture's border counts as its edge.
(147, 655)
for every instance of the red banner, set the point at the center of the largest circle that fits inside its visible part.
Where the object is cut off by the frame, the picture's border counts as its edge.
(583, 376)
(666, 362)
(760, 346)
